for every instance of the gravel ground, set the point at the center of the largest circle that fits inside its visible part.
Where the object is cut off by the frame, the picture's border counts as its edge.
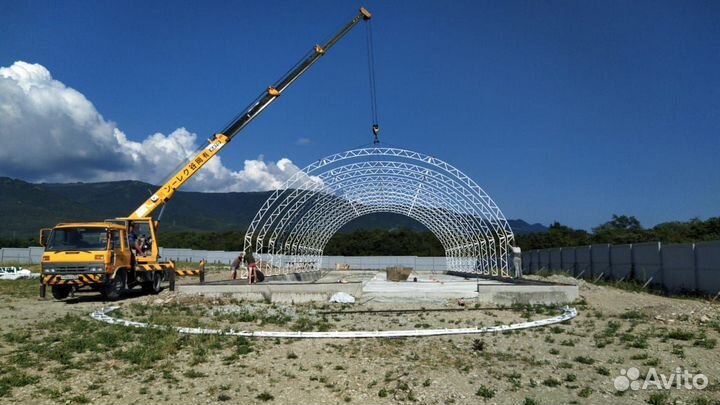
(53, 353)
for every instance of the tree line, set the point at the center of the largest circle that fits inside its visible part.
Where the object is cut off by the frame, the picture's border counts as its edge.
(623, 229)
(407, 242)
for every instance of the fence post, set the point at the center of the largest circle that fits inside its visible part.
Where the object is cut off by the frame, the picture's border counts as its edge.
(696, 278)
(662, 269)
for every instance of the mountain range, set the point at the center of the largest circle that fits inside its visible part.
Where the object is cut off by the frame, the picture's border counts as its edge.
(27, 207)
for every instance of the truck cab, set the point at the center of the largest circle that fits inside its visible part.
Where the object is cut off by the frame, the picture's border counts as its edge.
(99, 256)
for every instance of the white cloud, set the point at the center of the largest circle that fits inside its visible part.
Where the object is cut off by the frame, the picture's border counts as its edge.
(303, 141)
(51, 132)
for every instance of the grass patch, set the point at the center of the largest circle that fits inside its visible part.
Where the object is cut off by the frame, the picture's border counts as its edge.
(531, 401)
(585, 392)
(27, 288)
(485, 392)
(659, 398)
(679, 334)
(12, 378)
(602, 370)
(305, 324)
(706, 343)
(192, 373)
(551, 382)
(585, 360)
(635, 341)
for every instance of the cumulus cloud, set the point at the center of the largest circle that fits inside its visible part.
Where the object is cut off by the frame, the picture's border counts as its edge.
(51, 132)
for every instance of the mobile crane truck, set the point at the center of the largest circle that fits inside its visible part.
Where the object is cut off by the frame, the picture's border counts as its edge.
(99, 256)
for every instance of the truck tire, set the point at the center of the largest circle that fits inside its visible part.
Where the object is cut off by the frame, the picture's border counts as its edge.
(116, 287)
(152, 287)
(60, 292)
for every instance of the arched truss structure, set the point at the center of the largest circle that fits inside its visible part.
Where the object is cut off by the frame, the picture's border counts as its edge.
(291, 229)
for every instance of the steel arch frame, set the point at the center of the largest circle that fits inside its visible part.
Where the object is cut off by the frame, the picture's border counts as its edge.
(296, 222)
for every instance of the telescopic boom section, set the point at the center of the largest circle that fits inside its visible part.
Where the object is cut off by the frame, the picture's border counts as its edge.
(216, 143)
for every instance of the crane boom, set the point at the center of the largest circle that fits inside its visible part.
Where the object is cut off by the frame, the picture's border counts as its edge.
(219, 140)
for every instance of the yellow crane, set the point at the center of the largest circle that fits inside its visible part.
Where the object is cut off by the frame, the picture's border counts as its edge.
(109, 256)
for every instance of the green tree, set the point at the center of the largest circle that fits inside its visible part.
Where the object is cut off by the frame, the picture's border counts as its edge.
(620, 229)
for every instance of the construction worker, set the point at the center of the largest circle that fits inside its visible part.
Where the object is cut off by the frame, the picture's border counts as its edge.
(235, 266)
(132, 237)
(517, 260)
(252, 268)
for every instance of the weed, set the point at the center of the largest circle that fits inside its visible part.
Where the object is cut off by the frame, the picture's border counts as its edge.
(659, 398)
(635, 341)
(701, 401)
(585, 360)
(305, 324)
(485, 392)
(678, 351)
(679, 334)
(570, 378)
(80, 399)
(531, 401)
(225, 397)
(585, 392)
(652, 362)
(265, 396)
(551, 382)
(639, 356)
(706, 343)
(382, 393)
(192, 373)
(292, 355)
(478, 345)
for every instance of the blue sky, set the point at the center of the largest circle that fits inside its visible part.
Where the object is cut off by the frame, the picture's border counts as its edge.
(567, 111)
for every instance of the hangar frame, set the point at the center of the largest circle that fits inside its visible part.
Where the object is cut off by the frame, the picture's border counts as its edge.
(293, 226)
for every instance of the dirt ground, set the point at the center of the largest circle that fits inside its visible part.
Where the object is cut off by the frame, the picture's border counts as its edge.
(52, 352)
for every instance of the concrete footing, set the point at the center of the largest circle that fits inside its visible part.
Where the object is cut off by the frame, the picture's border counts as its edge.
(373, 286)
(273, 292)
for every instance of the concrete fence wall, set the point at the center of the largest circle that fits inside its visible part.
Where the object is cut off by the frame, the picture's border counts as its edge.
(34, 254)
(685, 267)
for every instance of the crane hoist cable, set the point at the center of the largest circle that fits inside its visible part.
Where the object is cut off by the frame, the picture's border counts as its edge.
(371, 75)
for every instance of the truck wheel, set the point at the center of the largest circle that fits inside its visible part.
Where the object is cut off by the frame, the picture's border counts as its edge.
(116, 287)
(152, 287)
(60, 292)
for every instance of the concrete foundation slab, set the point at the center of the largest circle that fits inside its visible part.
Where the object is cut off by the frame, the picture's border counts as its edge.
(373, 286)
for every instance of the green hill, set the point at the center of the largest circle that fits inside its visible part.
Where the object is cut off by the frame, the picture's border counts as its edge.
(27, 207)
